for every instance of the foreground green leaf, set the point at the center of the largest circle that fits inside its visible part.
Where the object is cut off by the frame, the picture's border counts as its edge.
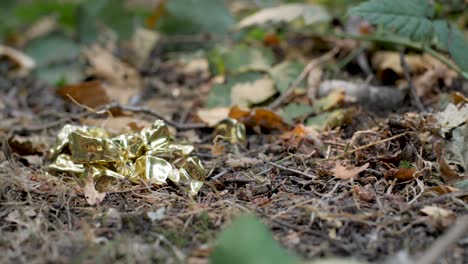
(248, 241)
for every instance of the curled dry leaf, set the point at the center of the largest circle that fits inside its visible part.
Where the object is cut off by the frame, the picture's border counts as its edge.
(301, 133)
(345, 173)
(91, 94)
(258, 118)
(22, 62)
(439, 216)
(93, 197)
(365, 194)
(143, 42)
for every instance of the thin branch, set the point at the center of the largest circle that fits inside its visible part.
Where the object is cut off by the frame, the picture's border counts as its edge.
(310, 176)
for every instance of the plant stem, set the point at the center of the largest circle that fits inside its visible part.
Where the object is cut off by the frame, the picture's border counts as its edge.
(404, 42)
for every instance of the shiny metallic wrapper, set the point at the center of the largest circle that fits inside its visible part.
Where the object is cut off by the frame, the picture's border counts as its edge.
(151, 156)
(231, 130)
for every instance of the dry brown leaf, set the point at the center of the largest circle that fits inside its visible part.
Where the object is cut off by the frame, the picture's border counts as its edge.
(405, 174)
(300, 133)
(213, 116)
(365, 194)
(258, 118)
(105, 65)
(143, 42)
(345, 173)
(242, 162)
(26, 145)
(91, 94)
(444, 189)
(439, 216)
(93, 197)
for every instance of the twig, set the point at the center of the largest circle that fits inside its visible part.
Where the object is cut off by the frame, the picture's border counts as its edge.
(136, 109)
(378, 142)
(292, 170)
(434, 252)
(115, 106)
(411, 87)
(307, 69)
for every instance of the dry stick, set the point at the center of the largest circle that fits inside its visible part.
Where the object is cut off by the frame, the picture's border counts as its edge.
(378, 142)
(292, 170)
(433, 253)
(307, 69)
(142, 110)
(117, 106)
(413, 93)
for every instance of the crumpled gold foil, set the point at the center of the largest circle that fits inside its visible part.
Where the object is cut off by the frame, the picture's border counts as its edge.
(151, 156)
(231, 130)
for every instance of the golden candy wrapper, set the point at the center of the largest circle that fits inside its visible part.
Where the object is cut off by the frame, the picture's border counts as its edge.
(231, 130)
(151, 155)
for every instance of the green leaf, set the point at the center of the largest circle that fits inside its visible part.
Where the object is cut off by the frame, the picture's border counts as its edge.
(65, 10)
(409, 18)
(441, 29)
(248, 241)
(285, 73)
(220, 94)
(194, 17)
(458, 46)
(111, 13)
(293, 111)
(244, 58)
(55, 55)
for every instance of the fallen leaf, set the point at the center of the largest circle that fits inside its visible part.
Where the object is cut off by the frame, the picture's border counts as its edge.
(105, 65)
(93, 197)
(157, 215)
(91, 94)
(365, 194)
(258, 118)
(452, 117)
(405, 174)
(213, 116)
(345, 173)
(143, 42)
(22, 62)
(19, 216)
(301, 133)
(311, 14)
(439, 216)
(457, 148)
(293, 111)
(444, 189)
(248, 94)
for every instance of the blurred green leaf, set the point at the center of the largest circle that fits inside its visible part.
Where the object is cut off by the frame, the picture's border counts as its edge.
(285, 73)
(457, 46)
(293, 111)
(249, 241)
(220, 94)
(64, 10)
(92, 15)
(242, 58)
(55, 55)
(194, 17)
